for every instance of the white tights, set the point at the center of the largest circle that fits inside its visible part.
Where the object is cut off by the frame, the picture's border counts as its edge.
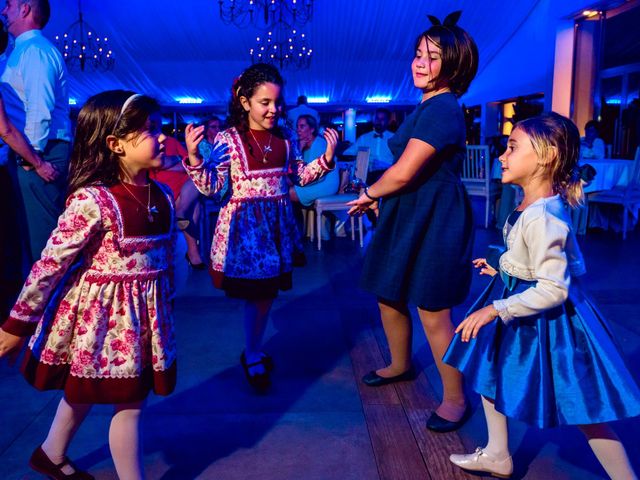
(602, 439)
(124, 441)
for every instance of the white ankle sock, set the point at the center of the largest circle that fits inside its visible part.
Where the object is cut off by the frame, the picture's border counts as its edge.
(498, 441)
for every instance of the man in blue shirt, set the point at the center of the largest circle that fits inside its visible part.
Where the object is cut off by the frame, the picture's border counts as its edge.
(380, 157)
(34, 87)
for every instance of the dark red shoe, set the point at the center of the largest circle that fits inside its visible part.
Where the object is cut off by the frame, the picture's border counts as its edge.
(43, 464)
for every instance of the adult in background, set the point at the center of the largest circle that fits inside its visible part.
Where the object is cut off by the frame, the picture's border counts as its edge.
(380, 156)
(37, 102)
(173, 174)
(301, 109)
(11, 277)
(212, 127)
(591, 145)
(312, 146)
(421, 251)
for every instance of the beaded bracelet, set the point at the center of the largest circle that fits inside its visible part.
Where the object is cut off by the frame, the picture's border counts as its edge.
(366, 192)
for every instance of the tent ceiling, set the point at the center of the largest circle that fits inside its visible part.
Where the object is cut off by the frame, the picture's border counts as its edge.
(361, 47)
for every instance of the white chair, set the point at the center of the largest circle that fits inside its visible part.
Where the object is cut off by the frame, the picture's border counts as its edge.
(339, 201)
(476, 176)
(628, 196)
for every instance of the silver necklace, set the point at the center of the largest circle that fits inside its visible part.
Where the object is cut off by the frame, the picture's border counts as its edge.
(267, 148)
(151, 209)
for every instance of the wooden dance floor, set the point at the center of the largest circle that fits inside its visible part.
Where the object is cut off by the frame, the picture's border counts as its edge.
(319, 422)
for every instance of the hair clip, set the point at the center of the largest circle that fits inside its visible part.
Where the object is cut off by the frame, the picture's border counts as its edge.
(449, 21)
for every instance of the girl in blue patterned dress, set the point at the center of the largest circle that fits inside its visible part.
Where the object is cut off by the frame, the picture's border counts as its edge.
(534, 346)
(256, 241)
(420, 253)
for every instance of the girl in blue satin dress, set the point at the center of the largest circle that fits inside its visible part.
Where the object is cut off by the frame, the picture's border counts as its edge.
(534, 346)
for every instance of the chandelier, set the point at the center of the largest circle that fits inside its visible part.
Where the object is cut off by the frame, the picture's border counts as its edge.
(266, 13)
(281, 50)
(81, 46)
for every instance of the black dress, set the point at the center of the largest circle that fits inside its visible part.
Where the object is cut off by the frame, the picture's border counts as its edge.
(421, 249)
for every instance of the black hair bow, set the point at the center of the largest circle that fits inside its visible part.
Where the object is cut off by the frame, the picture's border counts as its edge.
(449, 21)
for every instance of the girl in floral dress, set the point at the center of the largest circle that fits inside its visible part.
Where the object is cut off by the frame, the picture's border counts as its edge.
(256, 241)
(97, 303)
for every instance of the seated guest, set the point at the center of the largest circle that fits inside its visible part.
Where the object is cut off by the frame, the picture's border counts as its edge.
(591, 145)
(172, 174)
(213, 127)
(311, 146)
(380, 157)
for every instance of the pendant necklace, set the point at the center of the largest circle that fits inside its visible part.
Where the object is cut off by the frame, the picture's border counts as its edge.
(151, 209)
(267, 148)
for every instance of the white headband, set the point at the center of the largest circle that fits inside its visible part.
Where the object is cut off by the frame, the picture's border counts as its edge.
(124, 107)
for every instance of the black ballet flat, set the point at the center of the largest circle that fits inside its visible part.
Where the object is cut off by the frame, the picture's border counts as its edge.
(260, 382)
(195, 266)
(372, 379)
(438, 424)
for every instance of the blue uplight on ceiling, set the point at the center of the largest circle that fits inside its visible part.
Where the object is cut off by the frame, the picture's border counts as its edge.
(378, 99)
(612, 101)
(188, 100)
(317, 99)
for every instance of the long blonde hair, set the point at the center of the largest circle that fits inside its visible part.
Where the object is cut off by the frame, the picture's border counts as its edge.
(556, 141)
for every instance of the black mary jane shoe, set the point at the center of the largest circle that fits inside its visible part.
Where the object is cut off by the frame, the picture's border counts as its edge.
(260, 382)
(436, 423)
(195, 266)
(43, 464)
(372, 379)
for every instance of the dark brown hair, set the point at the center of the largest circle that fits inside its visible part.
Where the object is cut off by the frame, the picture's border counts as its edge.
(556, 141)
(459, 55)
(245, 86)
(92, 162)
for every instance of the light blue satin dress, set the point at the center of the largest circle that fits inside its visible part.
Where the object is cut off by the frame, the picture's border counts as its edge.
(325, 186)
(561, 367)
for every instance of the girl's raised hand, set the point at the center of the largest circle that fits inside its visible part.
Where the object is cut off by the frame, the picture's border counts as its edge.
(192, 138)
(471, 325)
(331, 136)
(485, 268)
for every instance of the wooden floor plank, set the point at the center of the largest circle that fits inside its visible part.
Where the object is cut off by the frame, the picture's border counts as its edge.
(395, 448)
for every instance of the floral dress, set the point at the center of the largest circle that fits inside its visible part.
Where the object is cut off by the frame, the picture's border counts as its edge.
(98, 303)
(256, 241)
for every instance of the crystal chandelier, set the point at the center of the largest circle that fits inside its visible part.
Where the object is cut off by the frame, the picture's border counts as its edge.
(81, 46)
(266, 13)
(282, 50)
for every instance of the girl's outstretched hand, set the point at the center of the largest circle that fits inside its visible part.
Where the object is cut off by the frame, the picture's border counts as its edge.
(192, 138)
(471, 325)
(331, 136)
(485, 268)
(10, 346)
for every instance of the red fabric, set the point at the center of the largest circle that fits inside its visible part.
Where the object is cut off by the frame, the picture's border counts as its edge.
(254, 150)
(97, 390)
(19, 328)
(173, 147)
(134, 214)
(174, 179)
